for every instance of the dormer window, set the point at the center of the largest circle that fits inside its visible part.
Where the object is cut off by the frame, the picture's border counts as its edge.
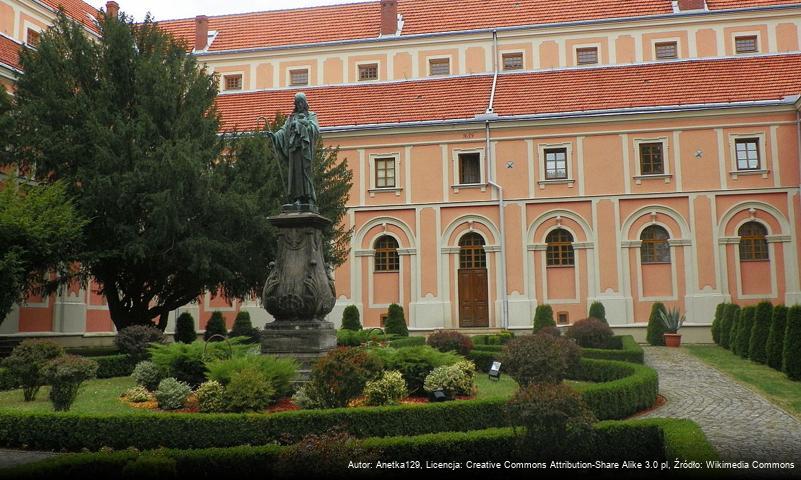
(232, 82)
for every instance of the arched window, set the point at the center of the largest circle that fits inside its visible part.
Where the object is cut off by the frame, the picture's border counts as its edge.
(560, 249)
(386, 254)
(655, 247)
(471, 253)
(753, 242)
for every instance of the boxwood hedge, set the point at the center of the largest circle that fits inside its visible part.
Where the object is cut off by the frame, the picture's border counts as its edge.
(109, 366)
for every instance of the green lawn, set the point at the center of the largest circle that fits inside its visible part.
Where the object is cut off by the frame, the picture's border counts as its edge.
(771, 383)
(95, 396)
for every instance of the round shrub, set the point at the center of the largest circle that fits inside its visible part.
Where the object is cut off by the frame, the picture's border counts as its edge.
(540, 359)
(655, 334)
(791, 364)
(556, 421)
(185, 328)
(390, 389)
(775, 347)
(745, 326)
(552, 331)
(730, 313)
(341, 375)
(65, 374)
(249, 391)
(215, 326)
(148, 375)
(590, 333)
(278, 371)
(26, 362)
(543, 317)
(598, 311)
(716, 322)
(350, 318)
(453, 380)
(758, 343)
(395, 323)
(415, 363)
(136, 339)
(243, 327)
(137, 394)
(450, 341)
(307, 397)
(210, 397)
(172, 394)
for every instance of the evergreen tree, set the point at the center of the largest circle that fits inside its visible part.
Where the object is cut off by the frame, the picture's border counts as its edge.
(395, 323)
(744, 328)
(656, 328)
(717, 321)
(791, 364)
(775, 347)
(185, 328)
(243, 327)
(735, 330)
(215, 326)
(730, 312)
(543, 317)
(598, 311)
(350, 318)
(757, 347)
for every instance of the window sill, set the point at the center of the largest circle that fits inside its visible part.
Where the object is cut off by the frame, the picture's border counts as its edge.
(564, 181)
(396, 190)
(761, 260)
(655, 263)
(379, 272)
(662, 176)
(560, 266)
(468, 186)
(738, 173)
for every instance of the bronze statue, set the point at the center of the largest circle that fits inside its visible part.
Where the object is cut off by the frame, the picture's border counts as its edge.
(295, 145)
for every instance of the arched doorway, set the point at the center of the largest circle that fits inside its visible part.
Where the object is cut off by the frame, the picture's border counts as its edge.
(473, 287)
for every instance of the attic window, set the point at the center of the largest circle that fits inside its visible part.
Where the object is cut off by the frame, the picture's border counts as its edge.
(368, 72)
(33, 37)
(587, 56)
(233, 82)
(299, 77)
(439, 66)
(666, 50)
(746, 44)
(513, 61)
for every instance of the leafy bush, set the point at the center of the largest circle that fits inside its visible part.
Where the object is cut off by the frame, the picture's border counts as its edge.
(137, 394)
(556, 421)
(148, 375)
(390, 389)
(598, 311)
(65, 374)
(111, 366)
(775, 346)
(26, 361)
(136, 339)
(543, 317)
(187, 362)
(341, 375)
(172, 394)
(656, 329)
(540, 359)
(552, 331)
(450, 341)
(744, 328)
(7, 380)
(330, 453)
(350, 318)
(185, 328)
(248, 391)
(210, 397)
(215, 326)
(453, 380)
(415, 363)
(483, 358)
(791, 364)
(395, 323)
(355, 338)
(279, 372)
(405, 342)
(730, 312)
(307, 397)
(758, 343)
(590, 333)
(717, 322)
(243, 327)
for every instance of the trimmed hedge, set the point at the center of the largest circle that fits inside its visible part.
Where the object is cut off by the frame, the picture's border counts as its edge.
(404, 342)
(623, 348)
(111, 366)
(757, 344)
(493, 338)
(628, 388)
(791, 364)
(645, 440)
(483, 358)
(717, 322)
(744, 327)
(730, 312)
(775, 347)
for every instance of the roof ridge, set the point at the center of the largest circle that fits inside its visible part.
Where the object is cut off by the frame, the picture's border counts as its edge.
(278, 10)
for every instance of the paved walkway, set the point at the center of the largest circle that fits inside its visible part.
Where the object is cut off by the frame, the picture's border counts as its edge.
(741, 424)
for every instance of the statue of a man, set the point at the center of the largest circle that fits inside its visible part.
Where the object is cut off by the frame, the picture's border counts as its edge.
(295, 144)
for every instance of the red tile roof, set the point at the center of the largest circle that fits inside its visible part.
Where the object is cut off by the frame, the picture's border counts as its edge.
(9, 52)
(572, 90)
(77, 10)
(360, 21)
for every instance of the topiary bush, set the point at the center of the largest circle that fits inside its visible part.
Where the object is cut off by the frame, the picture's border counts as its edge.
(775, 346)
(543, 317)
(758, 342)
(65, 374)
(744, 327)
(172, 394)
(730, 312)
(716, 322)
(185, 328)
(656, 328)
(540, 359)
(453, 380)
(598, 311)
(137, 394)
(395, 323)
(415, 363)
(341, 375)
(791, 363)
(590, 333)
(350, 318)
(26, 362)
(450, 341)
(215, 326)
(135, 340)
(148, 375)
(248, 391)
(243, 327)
(390, 389)
(279, 372)
(210, 397)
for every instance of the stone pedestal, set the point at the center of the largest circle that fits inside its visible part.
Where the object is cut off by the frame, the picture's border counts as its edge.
(305, 341)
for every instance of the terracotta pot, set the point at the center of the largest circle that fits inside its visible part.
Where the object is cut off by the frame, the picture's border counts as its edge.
(672, 340)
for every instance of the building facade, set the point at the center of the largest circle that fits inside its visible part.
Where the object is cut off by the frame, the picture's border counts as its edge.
(512, 153)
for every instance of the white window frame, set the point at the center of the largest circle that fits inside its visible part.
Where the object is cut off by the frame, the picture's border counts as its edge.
(513, 52)
(437, 58)
(763, 160)
(639, 176)
(456, 170)
(289, 71)
(375, 156)
(231, 74)
(755, 33)
(675, 40)
(31, 26)
(540, 167)
(596, 46)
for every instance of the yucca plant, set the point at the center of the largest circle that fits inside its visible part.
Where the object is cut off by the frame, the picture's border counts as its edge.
(672, 319)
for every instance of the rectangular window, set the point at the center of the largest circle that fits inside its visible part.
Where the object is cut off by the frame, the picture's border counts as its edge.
(556, 164)
(747, 151)
(299, 77)
(385, 173)
(513, 61)
(439, 66)
(587, 56)
(667, 50)
(32, 37)
(562, 318)
(233, 82)
(746, 44)
(469, 168)
(368, 72)
(652, 159)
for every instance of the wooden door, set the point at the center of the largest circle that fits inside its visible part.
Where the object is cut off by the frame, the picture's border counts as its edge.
(473, 298)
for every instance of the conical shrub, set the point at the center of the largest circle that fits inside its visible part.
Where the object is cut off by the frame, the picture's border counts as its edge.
(716, 322)
(185, 328)
(543, 317)
(730, 313)
(744, 327)
(395, 323)
(598, 311)
(243, 327)
(215, 326)
(655, 334)
(775, 347)
(792, 344)
(757, 348)
(350, 318)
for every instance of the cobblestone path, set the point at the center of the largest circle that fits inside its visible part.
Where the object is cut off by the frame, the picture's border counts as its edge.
(741, 424)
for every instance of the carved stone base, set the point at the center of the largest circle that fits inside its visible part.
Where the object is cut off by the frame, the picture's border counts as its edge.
(305, 340)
